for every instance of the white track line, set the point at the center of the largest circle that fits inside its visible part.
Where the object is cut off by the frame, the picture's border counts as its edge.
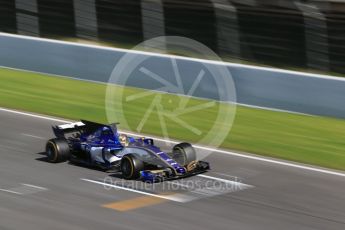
(274, 110)
(257, 158)
(10, 191)
(179, 184)
(329, 77)
(224, 180)
(168, 197)
(35, 186)
(33, 136)
(34, 115)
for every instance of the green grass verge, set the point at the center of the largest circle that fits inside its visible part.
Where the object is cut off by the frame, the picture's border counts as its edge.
(313, 140)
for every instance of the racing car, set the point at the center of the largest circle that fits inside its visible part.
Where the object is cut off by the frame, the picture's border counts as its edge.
(102, 146)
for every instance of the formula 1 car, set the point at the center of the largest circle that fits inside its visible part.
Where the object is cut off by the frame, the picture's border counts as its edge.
(99, 145)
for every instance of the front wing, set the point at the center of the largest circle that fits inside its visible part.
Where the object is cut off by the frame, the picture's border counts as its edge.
(168, 174)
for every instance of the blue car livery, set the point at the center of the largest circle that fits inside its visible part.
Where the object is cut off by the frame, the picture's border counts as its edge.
(98, 145)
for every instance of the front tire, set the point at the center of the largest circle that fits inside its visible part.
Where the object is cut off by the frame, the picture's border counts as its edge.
(131, 167)
(57, 150)
(184, 154)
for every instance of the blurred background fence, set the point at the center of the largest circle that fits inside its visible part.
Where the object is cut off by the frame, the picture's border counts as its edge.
(307, 35)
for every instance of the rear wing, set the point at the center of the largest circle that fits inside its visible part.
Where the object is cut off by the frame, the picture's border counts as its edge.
(61, 130)
(81, 127)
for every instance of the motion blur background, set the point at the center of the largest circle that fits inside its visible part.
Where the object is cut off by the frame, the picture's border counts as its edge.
(302, 35)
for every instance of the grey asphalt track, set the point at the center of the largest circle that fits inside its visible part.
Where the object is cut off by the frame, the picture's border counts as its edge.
(273, 197)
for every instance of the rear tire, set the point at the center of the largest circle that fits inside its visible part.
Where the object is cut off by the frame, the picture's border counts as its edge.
(184, 153)
(131, 167)
(57, 150)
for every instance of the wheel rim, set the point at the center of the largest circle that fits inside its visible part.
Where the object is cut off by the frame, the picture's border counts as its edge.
(126, 168)
(50, 152)
(179, 157)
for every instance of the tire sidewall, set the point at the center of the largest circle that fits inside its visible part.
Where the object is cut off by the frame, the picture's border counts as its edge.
(51, 151)
(57, 150)
(135, 164)
(185, 151)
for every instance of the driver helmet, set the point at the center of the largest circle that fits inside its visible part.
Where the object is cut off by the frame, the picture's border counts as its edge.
(123, 139)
